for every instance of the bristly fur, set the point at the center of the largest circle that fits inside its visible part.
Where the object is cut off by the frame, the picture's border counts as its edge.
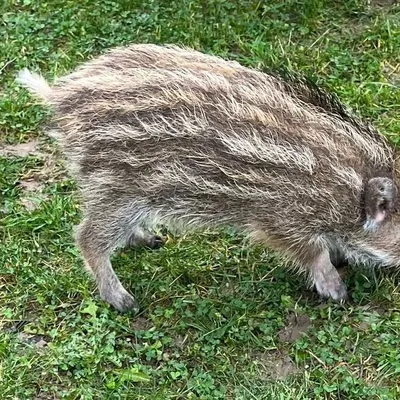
(306, 89)
(161, 134)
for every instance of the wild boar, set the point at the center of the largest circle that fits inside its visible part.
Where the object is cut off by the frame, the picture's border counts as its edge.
(168, 135)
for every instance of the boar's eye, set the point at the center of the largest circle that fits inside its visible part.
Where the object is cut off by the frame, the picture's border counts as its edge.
(383, 206)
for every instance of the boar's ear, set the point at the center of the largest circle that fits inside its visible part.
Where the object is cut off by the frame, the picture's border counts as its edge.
(380, 199)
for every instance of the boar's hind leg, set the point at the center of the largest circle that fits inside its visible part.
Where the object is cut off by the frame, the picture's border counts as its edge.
(326, 278)
(96, 242)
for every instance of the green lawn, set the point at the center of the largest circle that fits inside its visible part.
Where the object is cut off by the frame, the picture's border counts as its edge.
(220, 319)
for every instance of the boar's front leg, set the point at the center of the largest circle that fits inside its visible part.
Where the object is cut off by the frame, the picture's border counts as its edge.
(326, 278)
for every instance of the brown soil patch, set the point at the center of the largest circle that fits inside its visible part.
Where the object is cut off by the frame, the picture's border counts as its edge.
(37, 340)
(141, 324)
(20, 149)
(31, 193)
(30, 185)
(273, 365)
(180, 341)
(392, 72)
(383, 3)
(45, 396)
(49, 170)
(296, 325)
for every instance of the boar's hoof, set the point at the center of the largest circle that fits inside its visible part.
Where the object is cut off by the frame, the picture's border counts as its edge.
(336, 290)
(120, 299)
(340, 295)
(145, 239)
(155, 242)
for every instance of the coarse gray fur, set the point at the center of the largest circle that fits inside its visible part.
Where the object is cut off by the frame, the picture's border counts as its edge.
(161, 134)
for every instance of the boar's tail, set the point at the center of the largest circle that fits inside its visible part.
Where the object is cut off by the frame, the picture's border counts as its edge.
(35, 83)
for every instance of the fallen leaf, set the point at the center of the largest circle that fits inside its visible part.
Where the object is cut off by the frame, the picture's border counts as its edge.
(91, 309)
(133, 375)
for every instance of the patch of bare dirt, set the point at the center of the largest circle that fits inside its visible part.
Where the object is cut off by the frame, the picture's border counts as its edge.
(180, 341)
(392, 72)
(30, 185)
(37, 340)
(383, 3)
(141, 324)
(31, 193)
(53, 169)
(354, 27)
(49, 170)
(29, 204)
(379, 309)
(20, 149)
(274, 365)
(296, 325)
(364, 326)
(45, 396)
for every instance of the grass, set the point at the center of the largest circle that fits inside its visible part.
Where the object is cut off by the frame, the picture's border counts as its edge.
(220, 319)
